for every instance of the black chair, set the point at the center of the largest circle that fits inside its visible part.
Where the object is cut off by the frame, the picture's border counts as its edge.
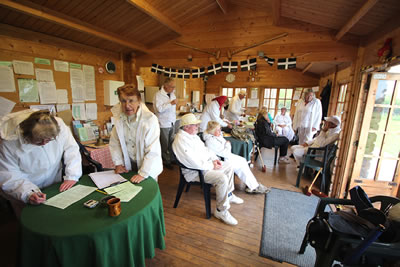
(182, 182)
(89, 165)
(339, 246)
(317, 158)
(257, 145)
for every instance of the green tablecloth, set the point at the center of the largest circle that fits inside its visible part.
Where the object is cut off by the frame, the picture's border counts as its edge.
(240, 147)
(78, 236)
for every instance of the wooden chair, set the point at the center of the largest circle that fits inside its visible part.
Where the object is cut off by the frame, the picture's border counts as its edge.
(205, 186)
(340, 246)
(317, 158)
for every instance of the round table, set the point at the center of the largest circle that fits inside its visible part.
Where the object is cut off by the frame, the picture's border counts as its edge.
(79, 236)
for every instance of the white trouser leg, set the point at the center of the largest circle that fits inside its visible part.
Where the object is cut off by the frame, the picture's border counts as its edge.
(298, 152)
(279, 130)
(305, 134)
(222, 179)
(242, 170)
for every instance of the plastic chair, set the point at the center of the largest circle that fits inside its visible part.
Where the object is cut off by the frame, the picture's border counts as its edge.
(339, 246)
(316, 160)
(257, 144)
(205, 186)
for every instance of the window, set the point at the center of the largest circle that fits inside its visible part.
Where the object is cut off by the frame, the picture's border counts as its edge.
(341, 99)
(269, 100)
(285, 98)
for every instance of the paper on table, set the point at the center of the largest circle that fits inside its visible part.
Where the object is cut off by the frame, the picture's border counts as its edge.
(5, 106)
(105, 179)
(70, 196)
(128, 193)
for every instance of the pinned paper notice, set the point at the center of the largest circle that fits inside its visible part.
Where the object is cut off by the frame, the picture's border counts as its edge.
(5, 106)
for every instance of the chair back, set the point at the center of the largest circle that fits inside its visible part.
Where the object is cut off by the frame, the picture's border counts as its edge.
(89, 165)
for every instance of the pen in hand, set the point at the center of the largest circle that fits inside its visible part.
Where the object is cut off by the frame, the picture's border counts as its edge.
(37, 197)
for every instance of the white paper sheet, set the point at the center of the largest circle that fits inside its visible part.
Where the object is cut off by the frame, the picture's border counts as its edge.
(77, 85)
(91, 111)
(5, 106)
(23, 67)
(47, 92)
(140, 83)
(62, 107)
(7, 83)
(44, 75)
(51, 108)
(70, 196)
(106, 179)
(61, 65)
(78, 111)
(88, 73)
(297, 95)
(62, 96)
(128, 192)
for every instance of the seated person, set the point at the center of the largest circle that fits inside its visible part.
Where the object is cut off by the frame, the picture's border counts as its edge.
(135, 139)
(191, 152)
(213, 111)
(214, 140)
(329, 134)
(268, 139)
(33, 148)
(283, 125)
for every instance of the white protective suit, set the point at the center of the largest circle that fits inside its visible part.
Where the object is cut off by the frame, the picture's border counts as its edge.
(148, 149)
(165, 112)
(307, 117)
(191, 152)
(25, 167)
(235, 109)
(211, 113)
(286, 131)
(222, 148)
(324, 138)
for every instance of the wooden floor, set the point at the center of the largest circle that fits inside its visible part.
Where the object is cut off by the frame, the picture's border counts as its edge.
(191, 239)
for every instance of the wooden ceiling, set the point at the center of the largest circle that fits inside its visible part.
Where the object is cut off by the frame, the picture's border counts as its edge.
(322, 34)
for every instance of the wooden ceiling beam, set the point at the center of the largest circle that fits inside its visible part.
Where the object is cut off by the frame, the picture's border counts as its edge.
(223, 5)
(70, 22)
(355, 18)
(276, 12)
(388, 27)
(155, 14)
(307, 67)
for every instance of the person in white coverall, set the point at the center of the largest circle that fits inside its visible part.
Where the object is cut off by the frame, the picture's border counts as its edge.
(217, 143)
(329, 134)
(235, 109)
(135, 139)
(212, 113)
(34, 144)
(191, 152)
(164, 104)
(283, 125)
(307, 118)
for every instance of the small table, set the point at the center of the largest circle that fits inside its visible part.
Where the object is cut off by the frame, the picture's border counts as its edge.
(78, 236)
(240, 147)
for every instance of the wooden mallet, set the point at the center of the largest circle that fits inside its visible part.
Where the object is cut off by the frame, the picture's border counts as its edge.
(264, 168)
(308, 189)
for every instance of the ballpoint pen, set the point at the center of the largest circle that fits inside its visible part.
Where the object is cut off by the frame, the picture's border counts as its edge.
(101, 191)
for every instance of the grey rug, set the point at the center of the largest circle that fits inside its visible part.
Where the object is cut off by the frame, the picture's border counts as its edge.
(286, 214)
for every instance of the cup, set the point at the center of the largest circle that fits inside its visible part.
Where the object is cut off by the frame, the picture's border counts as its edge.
(114, 207)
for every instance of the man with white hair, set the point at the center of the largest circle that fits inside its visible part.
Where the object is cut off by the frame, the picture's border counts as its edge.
(235, 109)
(329, 134)
(192, 152)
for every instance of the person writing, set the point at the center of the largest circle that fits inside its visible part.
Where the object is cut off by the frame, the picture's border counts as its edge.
(164, 104)
(212, 113)
(135, 139)
(34, 145)
(222, 148)
(192, 153)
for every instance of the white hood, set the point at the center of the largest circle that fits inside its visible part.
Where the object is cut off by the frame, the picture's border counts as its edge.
(9, 124)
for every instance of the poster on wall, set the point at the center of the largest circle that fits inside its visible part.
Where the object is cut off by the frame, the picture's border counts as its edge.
(90, 85)
(23, 67)
(28, 90)
(7, 83)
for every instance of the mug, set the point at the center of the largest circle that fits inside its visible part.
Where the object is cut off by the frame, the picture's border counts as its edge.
(114, 207)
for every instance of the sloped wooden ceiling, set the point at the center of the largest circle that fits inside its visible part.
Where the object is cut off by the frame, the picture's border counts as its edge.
(323, 33)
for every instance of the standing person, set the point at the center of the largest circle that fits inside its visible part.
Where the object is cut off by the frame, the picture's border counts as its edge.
(235, 109)
(164, 104)
(135, 139)
(268, 139)
(192, 153)
(212, 112)
(34, 146)
(222, 148)
(283, 125)
(307, 118)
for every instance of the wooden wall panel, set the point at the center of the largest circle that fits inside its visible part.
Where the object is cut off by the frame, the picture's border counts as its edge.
(13, 48)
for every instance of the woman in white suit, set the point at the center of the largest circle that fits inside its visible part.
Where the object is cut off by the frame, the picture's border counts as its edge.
(222, 148)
